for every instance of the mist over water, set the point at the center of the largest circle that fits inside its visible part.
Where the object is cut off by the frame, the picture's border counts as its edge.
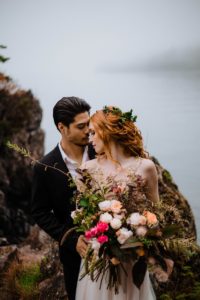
(168, 109)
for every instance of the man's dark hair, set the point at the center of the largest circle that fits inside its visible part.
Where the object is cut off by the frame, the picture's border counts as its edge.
(66, 109)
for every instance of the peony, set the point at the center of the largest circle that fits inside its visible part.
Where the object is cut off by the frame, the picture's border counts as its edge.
(136, 219)
(151, 218)
(94, 231)
(104, 205)
(88, 234)
(102, 227)
(115, 223)
(106, 217)
(115, 206)
(102, 239)
(123, 234)
(141, 231)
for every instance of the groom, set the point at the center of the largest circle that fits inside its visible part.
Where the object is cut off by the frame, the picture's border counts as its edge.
(52, 192)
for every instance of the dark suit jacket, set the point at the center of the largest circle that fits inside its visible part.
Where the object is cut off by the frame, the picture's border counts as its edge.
(51, 207)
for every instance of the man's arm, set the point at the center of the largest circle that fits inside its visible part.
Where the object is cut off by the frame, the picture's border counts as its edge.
(42, 211)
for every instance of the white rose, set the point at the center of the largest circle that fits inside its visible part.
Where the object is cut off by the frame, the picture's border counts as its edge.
(124, 234)
(104, 205)
(115, 223)
(106, 217)
(95, 244)
(119, 216)
(136, 219)
(73, 214)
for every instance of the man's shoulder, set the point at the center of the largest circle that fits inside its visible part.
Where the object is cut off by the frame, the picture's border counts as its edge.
(50, 157)
(48, 160)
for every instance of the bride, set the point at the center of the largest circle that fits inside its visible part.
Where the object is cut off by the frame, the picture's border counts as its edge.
(119, 147)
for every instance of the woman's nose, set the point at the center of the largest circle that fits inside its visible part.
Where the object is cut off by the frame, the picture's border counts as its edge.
(90, 138)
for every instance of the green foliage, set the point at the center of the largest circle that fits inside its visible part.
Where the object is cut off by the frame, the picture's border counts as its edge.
(18, 149)
(167, 176)
(165, 297)
(123, 117)
(27, 280)
(3, 59)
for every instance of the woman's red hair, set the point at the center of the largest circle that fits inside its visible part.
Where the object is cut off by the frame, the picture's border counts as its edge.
(109, 126)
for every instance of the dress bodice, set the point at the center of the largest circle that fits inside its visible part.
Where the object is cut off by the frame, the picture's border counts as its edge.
(128, 186)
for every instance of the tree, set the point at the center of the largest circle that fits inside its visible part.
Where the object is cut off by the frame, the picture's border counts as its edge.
(3, 59)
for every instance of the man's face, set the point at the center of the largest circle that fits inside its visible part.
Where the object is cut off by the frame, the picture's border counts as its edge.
(78, 131)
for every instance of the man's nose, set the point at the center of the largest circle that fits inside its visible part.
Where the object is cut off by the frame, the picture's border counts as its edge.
(87, 130)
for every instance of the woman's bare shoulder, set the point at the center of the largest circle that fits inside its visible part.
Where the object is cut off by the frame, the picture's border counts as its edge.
(147, 164)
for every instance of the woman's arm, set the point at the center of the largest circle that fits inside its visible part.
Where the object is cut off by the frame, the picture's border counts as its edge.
(151, 176)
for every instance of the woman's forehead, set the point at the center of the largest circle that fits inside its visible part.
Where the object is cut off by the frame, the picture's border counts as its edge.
(91, 126)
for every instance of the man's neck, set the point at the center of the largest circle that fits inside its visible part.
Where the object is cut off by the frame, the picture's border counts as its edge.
(75, 152)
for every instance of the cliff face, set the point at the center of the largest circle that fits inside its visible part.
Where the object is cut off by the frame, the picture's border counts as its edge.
(20, 118)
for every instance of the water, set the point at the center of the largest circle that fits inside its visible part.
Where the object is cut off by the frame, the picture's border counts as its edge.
(168, 109)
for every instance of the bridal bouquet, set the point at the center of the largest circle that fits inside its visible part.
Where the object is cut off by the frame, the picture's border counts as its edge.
(121, 225)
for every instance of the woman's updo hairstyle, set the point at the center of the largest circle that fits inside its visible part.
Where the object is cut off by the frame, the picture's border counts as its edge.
(112, 124)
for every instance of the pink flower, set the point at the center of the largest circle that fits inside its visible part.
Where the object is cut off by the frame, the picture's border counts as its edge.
(102, 239)
(88, 234)
(118, 188)
(102, 227)
(94, 231)
(141, 231)
(161, 275)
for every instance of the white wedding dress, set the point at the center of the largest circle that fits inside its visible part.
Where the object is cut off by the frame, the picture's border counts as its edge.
(91, 290)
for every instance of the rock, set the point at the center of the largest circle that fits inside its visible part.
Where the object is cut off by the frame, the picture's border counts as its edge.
(170, 195)
(36, 250)
(20, 118)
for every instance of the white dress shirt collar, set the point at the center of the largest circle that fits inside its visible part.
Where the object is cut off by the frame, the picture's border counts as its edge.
(71, 164)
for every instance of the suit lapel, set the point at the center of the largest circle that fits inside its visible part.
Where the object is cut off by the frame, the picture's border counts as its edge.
(58, 160)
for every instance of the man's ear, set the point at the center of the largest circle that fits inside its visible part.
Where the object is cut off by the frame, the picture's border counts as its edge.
(60, 126)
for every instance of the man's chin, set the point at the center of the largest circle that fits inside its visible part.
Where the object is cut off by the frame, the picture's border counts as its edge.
(83, 143)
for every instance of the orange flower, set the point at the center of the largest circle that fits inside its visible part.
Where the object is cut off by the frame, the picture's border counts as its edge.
(140, 252)
(151, 218)
(115, 261)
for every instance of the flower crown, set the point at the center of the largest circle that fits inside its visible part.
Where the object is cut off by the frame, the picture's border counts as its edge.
(126, 116)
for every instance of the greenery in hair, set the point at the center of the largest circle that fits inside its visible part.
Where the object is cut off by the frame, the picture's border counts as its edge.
(126, 116)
